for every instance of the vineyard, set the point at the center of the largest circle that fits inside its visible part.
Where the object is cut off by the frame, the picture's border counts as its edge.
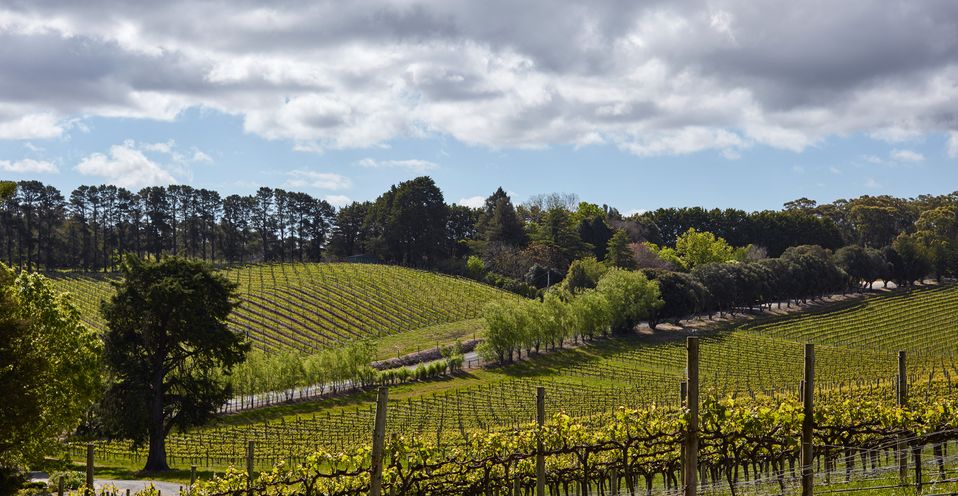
(760, 359)
(306, 307)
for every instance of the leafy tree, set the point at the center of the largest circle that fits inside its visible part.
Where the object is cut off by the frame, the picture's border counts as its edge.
(557, 232)
(618, 253)
(631, 296)
(475, 266)
(411, 220)
(166, 337)
(912, 261)
(583, 274)
(856, 263)
(682, 295)
(590, 314)
(696, 248)
(50, 374)
(499, 222)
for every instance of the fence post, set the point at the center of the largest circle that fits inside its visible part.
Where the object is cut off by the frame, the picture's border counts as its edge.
(89, 469)
(683, 402)
(250, 447)
(808, 422)
(379, 440)
(60, 487)
(540, 449)
(692, 441)
(192, 476)
(902, 397)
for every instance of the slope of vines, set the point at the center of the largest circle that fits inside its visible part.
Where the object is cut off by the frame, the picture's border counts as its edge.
(311, 306)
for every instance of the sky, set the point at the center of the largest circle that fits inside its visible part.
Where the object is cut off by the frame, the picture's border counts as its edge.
(639, 105)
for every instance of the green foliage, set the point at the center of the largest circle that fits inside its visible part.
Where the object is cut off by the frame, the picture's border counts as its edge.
(682, 295)
(696, 248)
(583, 274)
(408, 222)
(618, 254)
(631, 296)
(475, 266)
(167, 336)
(72, 480)
(49, 367)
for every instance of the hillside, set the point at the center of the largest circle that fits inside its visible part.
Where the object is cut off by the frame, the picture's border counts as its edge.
(762, 356)
(315, 305)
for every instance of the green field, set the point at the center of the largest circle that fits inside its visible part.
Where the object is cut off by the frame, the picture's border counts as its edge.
(759, 356)
(316, 305)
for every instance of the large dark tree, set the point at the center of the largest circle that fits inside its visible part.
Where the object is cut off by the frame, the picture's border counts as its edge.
(166, 337)
(411, 221)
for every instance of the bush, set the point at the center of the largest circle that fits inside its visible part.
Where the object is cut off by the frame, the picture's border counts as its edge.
(72, 480)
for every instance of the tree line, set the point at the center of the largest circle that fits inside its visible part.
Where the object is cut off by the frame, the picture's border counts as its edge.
(513, 245)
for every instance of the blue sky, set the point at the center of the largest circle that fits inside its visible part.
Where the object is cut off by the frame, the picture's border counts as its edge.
(719, 104)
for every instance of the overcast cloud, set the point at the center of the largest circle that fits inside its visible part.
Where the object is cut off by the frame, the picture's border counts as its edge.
(652, 78)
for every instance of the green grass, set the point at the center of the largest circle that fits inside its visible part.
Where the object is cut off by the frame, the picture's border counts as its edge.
(427, 337)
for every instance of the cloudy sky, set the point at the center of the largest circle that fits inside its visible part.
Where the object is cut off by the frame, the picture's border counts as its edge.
(723, 103)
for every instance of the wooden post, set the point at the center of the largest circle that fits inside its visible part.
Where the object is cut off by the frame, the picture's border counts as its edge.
(683, 402)
(250, 447)
(89, 469)
(379, 440)
(692, 441)
(192, 476)
(60, 487)
(808, 422)
(540, 455)
(902, 397)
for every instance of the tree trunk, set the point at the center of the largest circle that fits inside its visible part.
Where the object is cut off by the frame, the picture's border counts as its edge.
(156, 459)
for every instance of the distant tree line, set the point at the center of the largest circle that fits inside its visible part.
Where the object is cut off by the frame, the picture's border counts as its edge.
(516, 246)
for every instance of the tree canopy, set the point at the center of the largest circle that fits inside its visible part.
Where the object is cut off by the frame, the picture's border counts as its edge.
(50, 373)
(166, 344)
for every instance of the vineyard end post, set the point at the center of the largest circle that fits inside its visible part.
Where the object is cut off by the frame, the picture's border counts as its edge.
(684, 402)
(540, 455)
(902, 397)
(192, 476)
(89, 468)
(379, 440)
(250, 447)
(692, 400)
(808, 422)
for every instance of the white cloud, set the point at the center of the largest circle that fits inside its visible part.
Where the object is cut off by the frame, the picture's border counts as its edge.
(166, 147)
(199, 156)
(953, 144)
(835, 170)
(660, 78)
(32, 126)
(300, 178)
(871, 183)
(125, 166)
(338, 201)
(28, 165)
(33, 148)
(412, 164)
(472, 202)
(906, 155)
(873, 159)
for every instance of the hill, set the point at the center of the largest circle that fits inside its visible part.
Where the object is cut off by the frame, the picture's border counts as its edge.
(764, 356)
(316, 305)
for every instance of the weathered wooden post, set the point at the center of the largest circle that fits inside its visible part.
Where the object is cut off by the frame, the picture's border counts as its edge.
(808, 422)
(379, 440)
(683, 402)
(60, 487)
(901, 395)
(192, 476)
(250, 447)
(540, 448)
(89, 469)
(692, 440)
